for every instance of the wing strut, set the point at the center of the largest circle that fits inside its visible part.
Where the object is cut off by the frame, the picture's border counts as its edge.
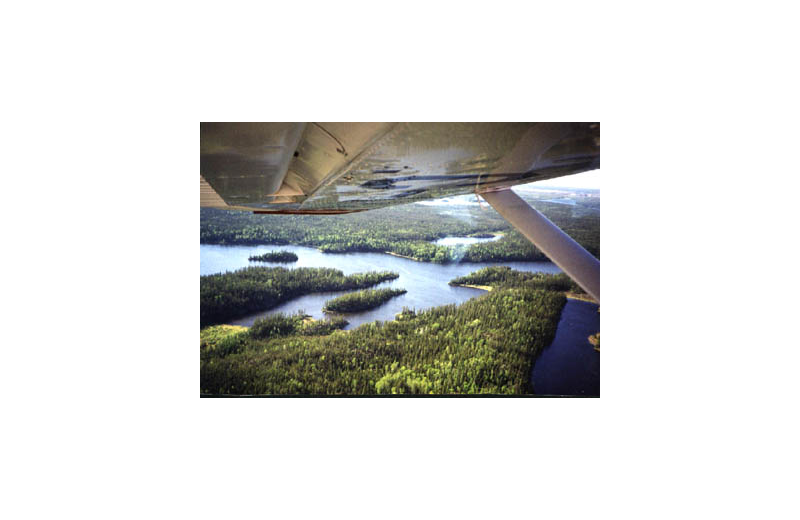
(567, 254)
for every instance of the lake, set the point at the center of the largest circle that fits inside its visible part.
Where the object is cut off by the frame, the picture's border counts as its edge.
(426, 283)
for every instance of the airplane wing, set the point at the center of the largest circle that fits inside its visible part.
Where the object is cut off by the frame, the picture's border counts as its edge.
(329, 168)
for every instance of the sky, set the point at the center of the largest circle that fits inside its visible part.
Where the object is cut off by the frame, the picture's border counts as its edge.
(587, 180)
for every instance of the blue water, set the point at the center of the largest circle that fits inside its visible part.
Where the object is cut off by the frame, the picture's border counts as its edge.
(426, 283)
(570, 365)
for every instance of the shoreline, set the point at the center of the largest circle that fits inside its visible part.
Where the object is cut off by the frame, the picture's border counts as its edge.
(487, 288)
(580, 297)
(357, 251)
(569, 295)
(406, 257)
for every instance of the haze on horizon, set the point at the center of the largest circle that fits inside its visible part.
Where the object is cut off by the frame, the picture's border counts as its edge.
(587, 180)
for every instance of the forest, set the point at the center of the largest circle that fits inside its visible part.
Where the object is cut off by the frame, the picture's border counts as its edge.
(406, 230)
(485, 345)
(275, 256)
(235, 294)
(361, 300)
(280, 324)
(506, 277)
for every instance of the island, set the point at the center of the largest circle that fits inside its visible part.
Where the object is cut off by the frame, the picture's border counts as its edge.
(275, 256)
(361, 300)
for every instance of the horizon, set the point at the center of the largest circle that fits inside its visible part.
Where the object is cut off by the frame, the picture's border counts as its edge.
(587, 180)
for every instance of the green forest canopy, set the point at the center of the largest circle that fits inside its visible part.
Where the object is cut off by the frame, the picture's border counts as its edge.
(274, 256)
(361, 300)
(485, 345)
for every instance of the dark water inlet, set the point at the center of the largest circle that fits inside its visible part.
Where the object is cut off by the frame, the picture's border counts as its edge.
(570, 365)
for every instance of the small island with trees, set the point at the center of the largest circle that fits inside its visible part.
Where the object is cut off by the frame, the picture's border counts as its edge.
(275, 256)
(361, 300)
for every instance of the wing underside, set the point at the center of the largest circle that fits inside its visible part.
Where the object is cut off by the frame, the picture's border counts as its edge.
(331, 168)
